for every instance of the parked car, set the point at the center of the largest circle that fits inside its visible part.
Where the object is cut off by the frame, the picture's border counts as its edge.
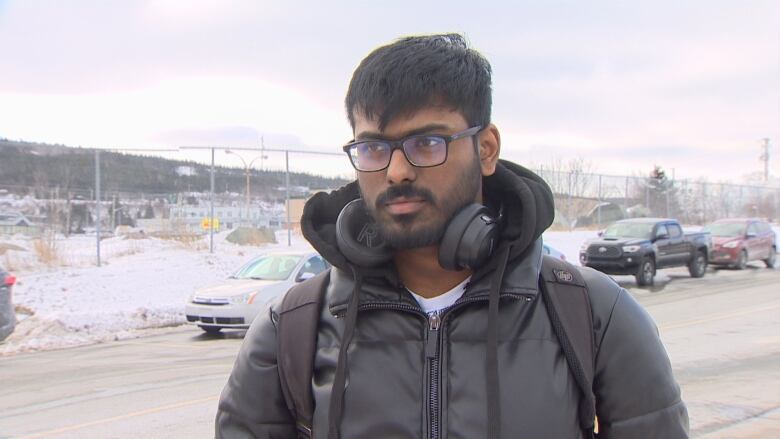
(235, 302)
(640, 246)
(737, 241)
(7, 314)
(548, 250)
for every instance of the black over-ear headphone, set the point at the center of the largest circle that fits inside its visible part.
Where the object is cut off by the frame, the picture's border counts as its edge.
(467, 242)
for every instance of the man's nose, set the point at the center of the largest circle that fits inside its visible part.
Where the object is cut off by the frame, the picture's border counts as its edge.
(399, 169)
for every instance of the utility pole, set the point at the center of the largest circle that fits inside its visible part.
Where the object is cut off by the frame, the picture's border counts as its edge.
(765, 158)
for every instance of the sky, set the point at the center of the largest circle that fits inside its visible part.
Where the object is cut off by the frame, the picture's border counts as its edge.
(691, 86)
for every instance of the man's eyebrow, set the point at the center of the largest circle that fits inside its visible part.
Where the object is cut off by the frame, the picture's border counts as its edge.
(421, 130)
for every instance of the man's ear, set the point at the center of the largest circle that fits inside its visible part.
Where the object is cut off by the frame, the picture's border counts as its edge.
(489, 148)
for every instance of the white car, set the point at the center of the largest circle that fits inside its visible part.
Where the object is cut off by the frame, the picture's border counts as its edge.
(235, 302)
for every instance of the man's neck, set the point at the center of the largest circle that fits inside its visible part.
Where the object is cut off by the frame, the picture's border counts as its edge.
(421, 273)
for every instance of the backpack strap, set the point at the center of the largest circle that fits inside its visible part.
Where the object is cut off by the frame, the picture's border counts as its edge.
(565, 295)
(299, 316)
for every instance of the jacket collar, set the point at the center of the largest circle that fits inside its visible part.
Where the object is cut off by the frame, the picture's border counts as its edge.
(521, 277)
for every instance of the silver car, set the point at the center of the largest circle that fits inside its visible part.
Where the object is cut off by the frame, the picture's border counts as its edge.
(235, 302)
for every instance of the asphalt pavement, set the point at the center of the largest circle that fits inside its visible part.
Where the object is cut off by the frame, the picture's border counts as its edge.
(721, 332)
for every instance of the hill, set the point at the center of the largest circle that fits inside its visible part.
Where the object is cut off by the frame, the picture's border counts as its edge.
(37, 169)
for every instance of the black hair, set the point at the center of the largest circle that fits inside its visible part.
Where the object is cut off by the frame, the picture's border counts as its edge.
(418, 71)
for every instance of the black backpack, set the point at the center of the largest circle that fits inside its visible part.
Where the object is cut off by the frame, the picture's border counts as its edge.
(565, 296)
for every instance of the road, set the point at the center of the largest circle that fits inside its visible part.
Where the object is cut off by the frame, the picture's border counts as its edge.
(721, 333)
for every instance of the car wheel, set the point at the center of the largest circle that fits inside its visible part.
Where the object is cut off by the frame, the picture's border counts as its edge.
(698, 266)
(645, 274)
(211, 329)
(742, 260)
(770, 261)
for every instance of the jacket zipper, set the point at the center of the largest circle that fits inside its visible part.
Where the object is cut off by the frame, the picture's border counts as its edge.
(432, 343)
(432, 357)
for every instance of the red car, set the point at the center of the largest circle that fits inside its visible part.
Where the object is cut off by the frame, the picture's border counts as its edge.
(735, 242)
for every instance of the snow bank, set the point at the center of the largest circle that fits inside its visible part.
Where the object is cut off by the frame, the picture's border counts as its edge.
(142, 284)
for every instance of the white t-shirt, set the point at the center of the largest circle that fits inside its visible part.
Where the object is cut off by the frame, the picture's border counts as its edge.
(441, 301)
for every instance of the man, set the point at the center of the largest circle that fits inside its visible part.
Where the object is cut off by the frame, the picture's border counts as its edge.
(435, 326)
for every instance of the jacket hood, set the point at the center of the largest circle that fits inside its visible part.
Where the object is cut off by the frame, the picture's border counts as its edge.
(526, 201)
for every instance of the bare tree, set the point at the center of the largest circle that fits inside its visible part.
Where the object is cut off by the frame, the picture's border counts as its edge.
(571, 184)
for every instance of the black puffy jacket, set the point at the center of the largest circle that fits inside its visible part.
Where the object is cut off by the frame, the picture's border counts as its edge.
(394, 390)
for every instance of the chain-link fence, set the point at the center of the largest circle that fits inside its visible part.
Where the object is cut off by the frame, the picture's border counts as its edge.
(50, 192)
(594, 200)
(54, 191)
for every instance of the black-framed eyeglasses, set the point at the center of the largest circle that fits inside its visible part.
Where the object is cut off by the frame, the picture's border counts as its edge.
(422, 151)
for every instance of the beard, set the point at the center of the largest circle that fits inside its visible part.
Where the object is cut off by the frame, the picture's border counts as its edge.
(410, 231)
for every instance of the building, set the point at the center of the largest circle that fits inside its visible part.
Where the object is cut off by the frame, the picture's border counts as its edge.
(229, 217)
(12, 222)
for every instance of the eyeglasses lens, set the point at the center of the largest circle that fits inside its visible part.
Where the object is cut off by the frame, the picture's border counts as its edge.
(426, 150)
(370, 156)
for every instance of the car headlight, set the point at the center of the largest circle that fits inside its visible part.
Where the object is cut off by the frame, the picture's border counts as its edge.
(732, 244)
(243, 298)
(631, 248)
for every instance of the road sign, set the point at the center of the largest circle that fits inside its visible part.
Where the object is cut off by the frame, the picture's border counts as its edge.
(206, 223)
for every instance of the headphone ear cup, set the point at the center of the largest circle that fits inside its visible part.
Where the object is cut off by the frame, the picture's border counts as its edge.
(358, 237)
(478, 242)
(469, 238)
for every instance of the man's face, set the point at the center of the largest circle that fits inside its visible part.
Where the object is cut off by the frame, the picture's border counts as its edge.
(412, 205)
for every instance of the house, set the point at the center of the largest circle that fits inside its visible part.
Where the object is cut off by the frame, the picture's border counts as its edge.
(12, 222)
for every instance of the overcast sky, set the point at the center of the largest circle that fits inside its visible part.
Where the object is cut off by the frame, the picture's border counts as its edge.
(692, 86)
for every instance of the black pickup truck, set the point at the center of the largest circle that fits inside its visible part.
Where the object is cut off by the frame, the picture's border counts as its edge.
(639, 246)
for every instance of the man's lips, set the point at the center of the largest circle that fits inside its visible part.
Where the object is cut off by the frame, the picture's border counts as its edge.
(401, 206)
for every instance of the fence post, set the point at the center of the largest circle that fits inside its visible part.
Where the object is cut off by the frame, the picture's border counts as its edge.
(287, 195)
(97, 202)
(625, 198)
(598, 209)
(704, 202)
(211, 205)
(667, 203)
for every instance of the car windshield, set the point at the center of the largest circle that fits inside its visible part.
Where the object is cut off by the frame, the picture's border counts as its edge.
(274, 267)
(629, 230)
(726, 229)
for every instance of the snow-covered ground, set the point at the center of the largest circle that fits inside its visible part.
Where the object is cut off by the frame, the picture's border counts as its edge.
(142, 285)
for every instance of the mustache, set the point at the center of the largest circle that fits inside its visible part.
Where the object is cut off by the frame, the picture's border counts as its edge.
(405, 191)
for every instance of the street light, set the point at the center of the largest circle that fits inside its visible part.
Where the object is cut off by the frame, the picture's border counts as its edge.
(246, 171)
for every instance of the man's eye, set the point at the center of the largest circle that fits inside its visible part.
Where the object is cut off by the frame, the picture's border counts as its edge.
(427, 142)
(372, 147)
